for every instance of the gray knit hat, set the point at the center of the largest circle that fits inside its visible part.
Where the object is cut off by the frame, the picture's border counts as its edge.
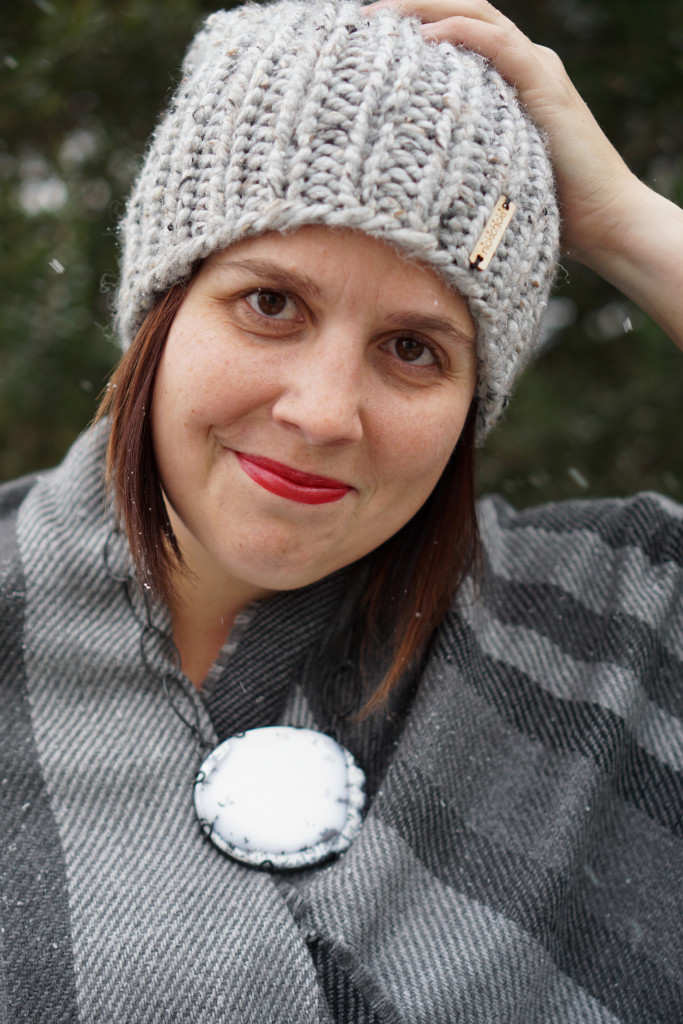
(310, 112)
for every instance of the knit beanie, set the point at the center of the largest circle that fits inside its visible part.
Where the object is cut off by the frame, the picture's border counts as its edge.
(310, 112)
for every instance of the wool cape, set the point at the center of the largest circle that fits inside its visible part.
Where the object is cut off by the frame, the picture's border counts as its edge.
(521, 856)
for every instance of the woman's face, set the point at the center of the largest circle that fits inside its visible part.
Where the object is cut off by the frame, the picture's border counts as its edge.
(310, 393)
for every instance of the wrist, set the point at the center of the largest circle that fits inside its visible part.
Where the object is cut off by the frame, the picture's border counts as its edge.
(639, 249)
(609, 234)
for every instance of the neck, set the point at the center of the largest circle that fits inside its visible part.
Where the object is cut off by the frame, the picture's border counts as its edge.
(203, 607)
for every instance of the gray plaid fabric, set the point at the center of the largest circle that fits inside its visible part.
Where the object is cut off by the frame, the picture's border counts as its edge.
(522, 855)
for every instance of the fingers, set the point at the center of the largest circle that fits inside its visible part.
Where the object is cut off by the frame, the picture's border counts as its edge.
(476, 25)
(438, 10)
(536, 72)
(510, 51)
(432, 12)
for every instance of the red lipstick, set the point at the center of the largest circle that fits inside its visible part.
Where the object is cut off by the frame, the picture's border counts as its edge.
(292, 483)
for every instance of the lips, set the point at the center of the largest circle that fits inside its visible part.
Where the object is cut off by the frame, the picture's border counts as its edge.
(292, 483)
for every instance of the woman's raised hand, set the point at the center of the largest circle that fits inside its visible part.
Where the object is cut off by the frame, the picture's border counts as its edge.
(591, 176)
(610, 220)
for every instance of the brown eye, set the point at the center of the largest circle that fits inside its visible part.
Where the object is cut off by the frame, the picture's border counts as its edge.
(410, 350)
(273, 304)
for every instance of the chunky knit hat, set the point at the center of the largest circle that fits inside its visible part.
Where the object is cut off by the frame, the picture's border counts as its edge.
(311, 112)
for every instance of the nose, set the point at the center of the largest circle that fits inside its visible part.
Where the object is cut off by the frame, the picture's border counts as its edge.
(321, 392)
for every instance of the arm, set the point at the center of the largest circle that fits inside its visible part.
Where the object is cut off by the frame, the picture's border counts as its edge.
(612, 222)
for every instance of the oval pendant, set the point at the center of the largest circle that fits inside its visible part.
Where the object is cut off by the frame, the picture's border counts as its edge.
(280, 797)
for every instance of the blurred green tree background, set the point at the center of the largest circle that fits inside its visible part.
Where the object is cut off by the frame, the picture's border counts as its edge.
(81, 85)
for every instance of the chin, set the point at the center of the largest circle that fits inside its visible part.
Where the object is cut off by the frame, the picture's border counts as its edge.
(286, 577)
(278, 570)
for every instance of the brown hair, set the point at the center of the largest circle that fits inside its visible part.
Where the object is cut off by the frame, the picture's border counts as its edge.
(130, 465)
(413, 576)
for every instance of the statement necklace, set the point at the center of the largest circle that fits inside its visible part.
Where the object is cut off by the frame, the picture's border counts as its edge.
(275, 798)
(280, 797)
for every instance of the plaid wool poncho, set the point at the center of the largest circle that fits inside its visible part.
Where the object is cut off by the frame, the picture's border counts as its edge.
(521, 859)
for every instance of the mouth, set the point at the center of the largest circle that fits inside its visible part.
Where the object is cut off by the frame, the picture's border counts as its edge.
(292, 483)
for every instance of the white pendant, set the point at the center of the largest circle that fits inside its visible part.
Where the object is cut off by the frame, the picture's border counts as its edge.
(280, 797)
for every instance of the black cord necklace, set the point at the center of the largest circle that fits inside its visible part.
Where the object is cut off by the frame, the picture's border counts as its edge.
(275, 798)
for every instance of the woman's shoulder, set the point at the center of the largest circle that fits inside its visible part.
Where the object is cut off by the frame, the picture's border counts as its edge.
(13, 492)
(41, 510)
(578, 605)
(586, 530)
(12, 495)
(578, 571)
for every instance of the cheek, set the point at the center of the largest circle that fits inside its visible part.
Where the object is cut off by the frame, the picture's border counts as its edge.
(415, 447)
(201, 384)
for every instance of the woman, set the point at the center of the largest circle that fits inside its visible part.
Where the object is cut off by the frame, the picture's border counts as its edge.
(334, 265)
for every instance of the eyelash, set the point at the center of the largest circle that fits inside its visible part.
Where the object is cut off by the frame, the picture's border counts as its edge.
(395, 339)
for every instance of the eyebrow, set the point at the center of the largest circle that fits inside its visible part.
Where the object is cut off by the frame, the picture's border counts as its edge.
(297, 280)
(430, 323)
(287, 279)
